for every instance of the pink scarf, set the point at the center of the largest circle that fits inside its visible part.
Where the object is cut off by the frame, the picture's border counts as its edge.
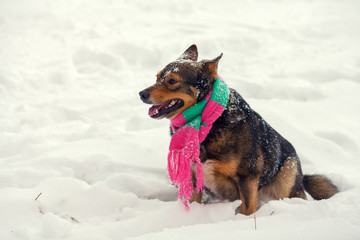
(190, 129)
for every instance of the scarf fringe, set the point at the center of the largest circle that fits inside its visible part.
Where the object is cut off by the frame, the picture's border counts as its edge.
(199, 176)
(182, 155)
(190, 129)
(180, 173)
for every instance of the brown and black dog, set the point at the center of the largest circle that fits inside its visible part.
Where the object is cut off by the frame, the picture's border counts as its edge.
(243, 157)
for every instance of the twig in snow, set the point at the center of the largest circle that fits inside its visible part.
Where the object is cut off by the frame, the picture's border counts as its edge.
(38, 196)
(74, 220)
(255, 220)
(272, 213)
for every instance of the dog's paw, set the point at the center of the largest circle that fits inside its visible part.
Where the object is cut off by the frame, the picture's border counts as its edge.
(243, 210)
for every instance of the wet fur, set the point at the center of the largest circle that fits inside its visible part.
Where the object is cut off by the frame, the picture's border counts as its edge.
(243, 157)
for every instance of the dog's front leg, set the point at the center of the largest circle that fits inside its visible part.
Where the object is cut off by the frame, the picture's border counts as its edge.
(196, 197)
(248, 189)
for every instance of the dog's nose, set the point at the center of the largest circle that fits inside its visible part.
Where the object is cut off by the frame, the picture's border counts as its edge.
(144, 95)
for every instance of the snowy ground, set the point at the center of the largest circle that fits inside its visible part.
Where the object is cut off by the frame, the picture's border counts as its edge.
(73, 128)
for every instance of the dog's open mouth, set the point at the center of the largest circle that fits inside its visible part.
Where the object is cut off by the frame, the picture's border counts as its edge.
(157, 111)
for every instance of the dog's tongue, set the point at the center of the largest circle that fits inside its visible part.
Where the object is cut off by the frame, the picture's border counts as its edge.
(155, 109)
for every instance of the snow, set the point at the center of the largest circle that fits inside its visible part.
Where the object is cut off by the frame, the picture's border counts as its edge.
(73, 128)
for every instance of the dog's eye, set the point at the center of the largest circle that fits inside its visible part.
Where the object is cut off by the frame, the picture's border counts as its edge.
(172, 81)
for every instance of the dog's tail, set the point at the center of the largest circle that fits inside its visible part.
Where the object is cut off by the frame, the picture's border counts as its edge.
(319, 186)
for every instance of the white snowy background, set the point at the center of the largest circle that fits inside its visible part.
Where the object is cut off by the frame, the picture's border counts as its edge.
(73, 128)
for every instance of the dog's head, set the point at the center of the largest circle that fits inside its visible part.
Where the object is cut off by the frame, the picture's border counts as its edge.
(180, 85)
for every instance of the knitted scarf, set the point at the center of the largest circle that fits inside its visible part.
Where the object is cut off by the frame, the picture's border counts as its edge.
(190, 129)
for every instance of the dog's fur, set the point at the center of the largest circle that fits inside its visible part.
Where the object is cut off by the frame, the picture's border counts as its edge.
(243, 157)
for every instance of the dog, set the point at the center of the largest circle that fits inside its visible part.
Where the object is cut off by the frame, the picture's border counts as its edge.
(243, 157)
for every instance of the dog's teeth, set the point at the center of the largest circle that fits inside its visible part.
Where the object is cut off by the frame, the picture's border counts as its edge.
(172, 103)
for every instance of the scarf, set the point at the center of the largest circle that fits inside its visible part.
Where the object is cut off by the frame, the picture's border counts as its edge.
(190, 129)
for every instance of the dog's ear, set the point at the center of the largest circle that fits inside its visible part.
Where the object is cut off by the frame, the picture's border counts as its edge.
(209, 67)
(191, 53)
